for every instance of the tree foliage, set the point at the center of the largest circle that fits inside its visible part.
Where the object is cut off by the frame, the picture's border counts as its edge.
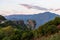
(18, 30)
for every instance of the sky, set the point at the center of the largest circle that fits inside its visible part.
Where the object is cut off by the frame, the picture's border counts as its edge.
(10, 7)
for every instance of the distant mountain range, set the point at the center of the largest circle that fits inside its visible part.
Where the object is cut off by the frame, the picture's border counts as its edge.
(40, 18)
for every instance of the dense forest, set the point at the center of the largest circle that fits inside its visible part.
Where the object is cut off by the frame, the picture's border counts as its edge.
(18, 30)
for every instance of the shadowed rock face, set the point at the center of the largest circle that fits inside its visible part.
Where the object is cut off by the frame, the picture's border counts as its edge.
(40, 18)
(58, 27)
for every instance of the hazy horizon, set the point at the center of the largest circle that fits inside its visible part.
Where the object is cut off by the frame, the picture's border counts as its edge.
(26, 7)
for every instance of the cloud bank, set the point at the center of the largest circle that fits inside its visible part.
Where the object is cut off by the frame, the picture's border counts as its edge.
(34, 7)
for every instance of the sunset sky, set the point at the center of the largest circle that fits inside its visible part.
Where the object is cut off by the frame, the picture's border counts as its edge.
(9, 7)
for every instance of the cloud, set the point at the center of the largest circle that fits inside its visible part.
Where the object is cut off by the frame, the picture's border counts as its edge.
(26, 5)
(39, 8)
(35, 7)
(57, 9)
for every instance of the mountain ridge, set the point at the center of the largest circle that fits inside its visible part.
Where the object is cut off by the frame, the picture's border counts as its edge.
(40, 18)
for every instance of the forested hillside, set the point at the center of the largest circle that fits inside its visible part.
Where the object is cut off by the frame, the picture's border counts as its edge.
(18, 30)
